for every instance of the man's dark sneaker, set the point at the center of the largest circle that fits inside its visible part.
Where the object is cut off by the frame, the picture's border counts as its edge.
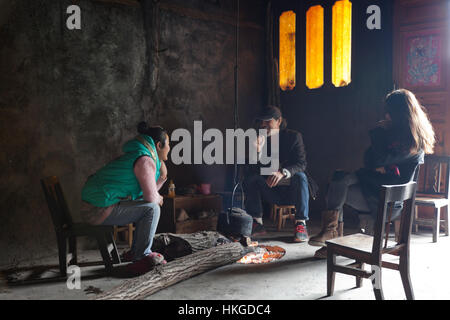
(301, 234)
(258, 229)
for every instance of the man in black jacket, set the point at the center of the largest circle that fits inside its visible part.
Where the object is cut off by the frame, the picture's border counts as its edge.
(288, 185)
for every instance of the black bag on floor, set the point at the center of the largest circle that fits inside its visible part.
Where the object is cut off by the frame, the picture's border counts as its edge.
(235, 222)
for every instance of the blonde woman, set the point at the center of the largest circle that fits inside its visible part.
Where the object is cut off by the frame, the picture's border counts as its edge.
(398, 145)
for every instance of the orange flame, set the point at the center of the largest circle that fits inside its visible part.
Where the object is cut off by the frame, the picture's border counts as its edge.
(263, 254)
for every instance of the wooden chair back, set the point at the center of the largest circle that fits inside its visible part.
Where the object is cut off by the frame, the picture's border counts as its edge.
(435, 177)
(390, 195)
(56, 203)
(416, 173)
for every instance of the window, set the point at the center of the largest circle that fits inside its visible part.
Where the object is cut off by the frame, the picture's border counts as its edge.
(314, 47)
(287, 50)
(341, 46)
(342, 43)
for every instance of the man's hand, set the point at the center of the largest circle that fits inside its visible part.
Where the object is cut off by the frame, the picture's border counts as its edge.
(163, 171)
(273, 179)
(259, 144)
(161, 200)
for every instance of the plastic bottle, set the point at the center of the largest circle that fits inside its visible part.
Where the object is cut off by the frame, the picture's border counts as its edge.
(171, 193)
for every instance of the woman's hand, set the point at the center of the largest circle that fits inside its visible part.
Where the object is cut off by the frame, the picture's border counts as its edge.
(381, 170)
(163, 171)
(385, 123)
(161, 201)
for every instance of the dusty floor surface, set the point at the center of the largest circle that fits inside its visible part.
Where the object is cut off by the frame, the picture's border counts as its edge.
(296, 276)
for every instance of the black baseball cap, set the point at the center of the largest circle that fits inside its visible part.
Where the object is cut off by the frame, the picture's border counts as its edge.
(270, 112)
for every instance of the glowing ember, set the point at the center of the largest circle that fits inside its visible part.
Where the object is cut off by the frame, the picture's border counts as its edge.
(263, 254)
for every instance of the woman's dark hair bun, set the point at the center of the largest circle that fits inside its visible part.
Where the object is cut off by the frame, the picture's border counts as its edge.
(157, 133)
(142, 127)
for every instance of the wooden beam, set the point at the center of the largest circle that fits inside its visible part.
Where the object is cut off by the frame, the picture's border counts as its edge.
(201, 15)
(133, 3)
(190, 12)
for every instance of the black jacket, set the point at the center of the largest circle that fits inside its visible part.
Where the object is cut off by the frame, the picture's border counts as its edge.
(400, 166)
(292, 155)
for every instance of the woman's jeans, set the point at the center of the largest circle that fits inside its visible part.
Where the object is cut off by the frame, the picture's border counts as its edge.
(145, 216)
(345, 189)
(297, 193)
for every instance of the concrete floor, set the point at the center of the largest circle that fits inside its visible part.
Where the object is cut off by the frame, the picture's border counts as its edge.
(296, 276)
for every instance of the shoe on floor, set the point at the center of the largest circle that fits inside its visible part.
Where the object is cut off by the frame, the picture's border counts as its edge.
(301, 233)
(329, 229)
(258, 229)
(145, 264)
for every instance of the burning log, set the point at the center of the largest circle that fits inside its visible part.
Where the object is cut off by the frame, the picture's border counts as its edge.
(177, 270)
(263, 254)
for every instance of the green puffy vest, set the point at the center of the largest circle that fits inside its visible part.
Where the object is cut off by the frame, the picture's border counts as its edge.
(116, 180)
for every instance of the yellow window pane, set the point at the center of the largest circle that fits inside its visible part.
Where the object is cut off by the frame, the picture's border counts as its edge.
(342, 43)
(314, 47)
(287, 50)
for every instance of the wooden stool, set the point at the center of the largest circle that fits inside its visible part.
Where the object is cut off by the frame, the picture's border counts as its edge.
(281, 212)
(128, 228)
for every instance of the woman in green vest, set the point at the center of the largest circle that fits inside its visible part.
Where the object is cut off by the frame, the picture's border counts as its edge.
(125, 191)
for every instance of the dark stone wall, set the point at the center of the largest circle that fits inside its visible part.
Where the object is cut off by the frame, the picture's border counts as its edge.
(196, 61)
(70, 99)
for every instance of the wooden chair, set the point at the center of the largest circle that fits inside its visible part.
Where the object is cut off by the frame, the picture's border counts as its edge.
(129, 228)
(434, 193)
(67, 231)
(282, 212)
(365, 249)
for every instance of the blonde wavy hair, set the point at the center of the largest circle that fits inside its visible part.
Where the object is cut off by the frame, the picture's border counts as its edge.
(410, 117)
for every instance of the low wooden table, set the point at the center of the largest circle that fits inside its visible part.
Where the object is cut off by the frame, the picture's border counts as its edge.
(192, 204)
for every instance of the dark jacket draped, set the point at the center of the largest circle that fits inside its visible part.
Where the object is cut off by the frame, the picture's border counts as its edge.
(399, 163)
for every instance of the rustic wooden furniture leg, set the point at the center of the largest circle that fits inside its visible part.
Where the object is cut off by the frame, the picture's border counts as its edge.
(62, 253)
(359, 265)
(130, 234)
(415, 224)
(446, 222)
(378, 285)
(404, 273)
(331, 261)
(101, 241)
(436, 224)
